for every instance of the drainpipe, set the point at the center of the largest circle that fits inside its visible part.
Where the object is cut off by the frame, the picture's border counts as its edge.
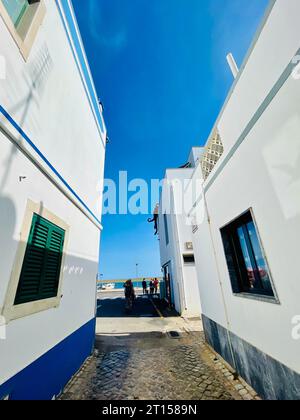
(222, 290)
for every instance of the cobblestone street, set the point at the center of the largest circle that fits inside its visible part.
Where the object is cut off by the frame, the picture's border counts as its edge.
(151, 365)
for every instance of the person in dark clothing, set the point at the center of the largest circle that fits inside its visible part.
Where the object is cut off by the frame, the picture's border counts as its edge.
(155, 219)
(144, 284)
(151, 288)
(129, 294)
(155, 284)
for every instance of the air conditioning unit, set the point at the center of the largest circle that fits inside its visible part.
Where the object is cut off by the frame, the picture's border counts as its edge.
(189, 246)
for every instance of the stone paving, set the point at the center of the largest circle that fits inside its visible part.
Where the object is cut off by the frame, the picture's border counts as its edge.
(169, 369)
(153, 366)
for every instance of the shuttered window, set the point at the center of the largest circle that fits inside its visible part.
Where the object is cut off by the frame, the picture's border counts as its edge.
(40, 273)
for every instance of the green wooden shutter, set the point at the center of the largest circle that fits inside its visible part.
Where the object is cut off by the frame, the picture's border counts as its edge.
(42, 263)
(55, 243)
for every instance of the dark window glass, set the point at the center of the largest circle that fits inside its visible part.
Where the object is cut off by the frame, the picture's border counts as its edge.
(248, 270)
(189, 259)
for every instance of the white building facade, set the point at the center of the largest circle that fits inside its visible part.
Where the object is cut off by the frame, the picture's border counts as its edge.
(246, 220)
(52, 151)
(175, 238)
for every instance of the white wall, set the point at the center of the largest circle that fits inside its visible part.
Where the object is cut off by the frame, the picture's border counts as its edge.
(195, 155)
(57, 117)
(264, 175)
(277, 45)
(42, 331)
(184, 278)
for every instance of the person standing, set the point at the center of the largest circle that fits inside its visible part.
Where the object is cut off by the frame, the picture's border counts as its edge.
(151, 287)
(129, 294)
(155, 283)
(144, 284)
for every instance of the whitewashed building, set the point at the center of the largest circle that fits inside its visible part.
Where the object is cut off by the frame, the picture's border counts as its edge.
(175, 239)
(246, 220)
(52, 150)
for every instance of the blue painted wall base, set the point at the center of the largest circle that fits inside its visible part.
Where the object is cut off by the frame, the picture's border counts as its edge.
(48, 375)
(271, 379)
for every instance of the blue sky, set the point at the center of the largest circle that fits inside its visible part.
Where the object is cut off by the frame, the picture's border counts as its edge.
(160, 69)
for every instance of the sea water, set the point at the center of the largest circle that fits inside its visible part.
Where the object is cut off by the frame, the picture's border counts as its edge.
(120, 285)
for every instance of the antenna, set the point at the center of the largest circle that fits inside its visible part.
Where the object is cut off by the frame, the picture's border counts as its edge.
(232, 64)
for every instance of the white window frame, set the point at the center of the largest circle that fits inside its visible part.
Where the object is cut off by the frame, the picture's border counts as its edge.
(10, 311)
(26, 32)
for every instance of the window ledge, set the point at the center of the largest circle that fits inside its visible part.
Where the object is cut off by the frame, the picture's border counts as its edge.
(260, 298)
(14, 312)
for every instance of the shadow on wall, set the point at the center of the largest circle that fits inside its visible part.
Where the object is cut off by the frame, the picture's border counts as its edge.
(35, 77)
(282, 164)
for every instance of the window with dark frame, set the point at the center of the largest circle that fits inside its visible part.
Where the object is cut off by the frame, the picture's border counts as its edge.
(39, 279)
(247, 266)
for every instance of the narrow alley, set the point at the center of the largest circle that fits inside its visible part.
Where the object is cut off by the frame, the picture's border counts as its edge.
(151, 354)
(149, 202)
